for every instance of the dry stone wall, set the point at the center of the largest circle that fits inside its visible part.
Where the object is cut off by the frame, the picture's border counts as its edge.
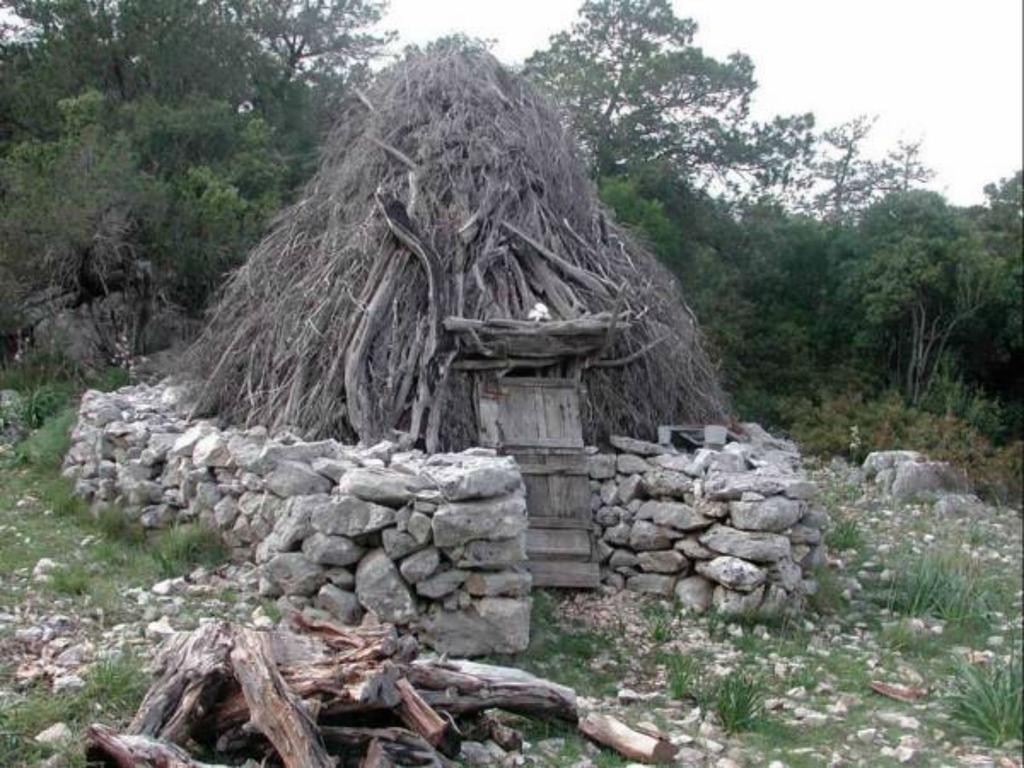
(435, 543)
(736, 529)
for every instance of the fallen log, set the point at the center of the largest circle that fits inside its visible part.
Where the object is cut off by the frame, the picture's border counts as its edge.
(606, 730)
(424, 720)
(134, 751)
(466, 687)
(397, 745)
(273, 707)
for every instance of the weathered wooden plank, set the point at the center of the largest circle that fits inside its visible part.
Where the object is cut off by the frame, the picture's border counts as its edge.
(565, 574)
(538, 495)
(558, 544)
(570, 496)
(541, 522)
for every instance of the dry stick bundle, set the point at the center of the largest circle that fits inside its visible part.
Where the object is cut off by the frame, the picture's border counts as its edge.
(451, 188)
(333, 694)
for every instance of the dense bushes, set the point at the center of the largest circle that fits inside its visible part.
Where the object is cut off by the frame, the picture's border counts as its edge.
(852, 425)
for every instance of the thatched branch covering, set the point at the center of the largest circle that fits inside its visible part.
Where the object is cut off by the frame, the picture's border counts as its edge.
(450, 189)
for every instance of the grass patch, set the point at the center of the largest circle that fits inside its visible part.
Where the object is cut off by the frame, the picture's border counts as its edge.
(828, 599)
(738, 700)
(45, 447)
(988, 701)
(684, 677)
(181, 548)
(112, 692)
(942, 586)
(660, 617)
(71, 580)
(844, 535)
(569, 653)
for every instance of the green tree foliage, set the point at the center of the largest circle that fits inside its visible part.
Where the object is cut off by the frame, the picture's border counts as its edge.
(640, 91)
(924, 276)
(846, 181)
(160, 135)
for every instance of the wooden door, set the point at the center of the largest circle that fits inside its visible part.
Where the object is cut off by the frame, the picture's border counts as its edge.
(537, 420)
(521, 412)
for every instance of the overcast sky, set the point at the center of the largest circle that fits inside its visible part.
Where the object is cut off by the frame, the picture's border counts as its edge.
(947, 71)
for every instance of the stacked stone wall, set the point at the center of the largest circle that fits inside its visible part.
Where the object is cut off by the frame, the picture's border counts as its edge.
(736, 529)
(436, 544)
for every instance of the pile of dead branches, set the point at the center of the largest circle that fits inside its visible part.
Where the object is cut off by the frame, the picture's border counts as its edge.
(333, 696)
(449, 189)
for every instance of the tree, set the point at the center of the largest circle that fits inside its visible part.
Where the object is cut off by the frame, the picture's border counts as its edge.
(318, 39)
(640, 91)
(925, 275)
(848, 181)
(214, 107)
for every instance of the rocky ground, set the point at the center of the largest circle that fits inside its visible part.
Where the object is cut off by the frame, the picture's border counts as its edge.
(910, 595)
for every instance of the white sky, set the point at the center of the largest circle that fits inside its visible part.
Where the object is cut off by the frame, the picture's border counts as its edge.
(947, 71)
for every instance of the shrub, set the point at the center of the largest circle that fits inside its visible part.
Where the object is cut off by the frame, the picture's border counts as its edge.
(988, 701)
(850, 425)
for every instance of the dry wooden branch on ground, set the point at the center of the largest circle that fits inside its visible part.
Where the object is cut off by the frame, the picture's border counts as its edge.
(606, 730)
(330, 694)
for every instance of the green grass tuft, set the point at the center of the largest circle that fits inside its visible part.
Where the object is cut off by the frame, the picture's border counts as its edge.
(684, 677)
(988, 701)
(72, 580)
(828, 599)
(738, 700)
(945, 587)
(844, 535)
(180, 549)
(45, 447)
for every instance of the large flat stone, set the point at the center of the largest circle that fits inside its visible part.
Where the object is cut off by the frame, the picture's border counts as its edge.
(733, 573)
(473, 477)
(651, 584)
(747, 545)
(492, 555)
(349, 516)
(292, 573)
(664, 561)
(294, 478)
(381, 486)
(645, 536)
(639, 447)
(774, 514)
(666, 484)
(331, 550)
(457, 523)
(674, 514)
(499, 583)
(381, 589)
(727, 486)
(489, 625)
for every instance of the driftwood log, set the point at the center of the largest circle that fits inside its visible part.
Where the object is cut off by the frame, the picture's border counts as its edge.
(328, 696)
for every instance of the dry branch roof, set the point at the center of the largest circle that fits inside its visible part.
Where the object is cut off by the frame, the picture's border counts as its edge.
(450, 190)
